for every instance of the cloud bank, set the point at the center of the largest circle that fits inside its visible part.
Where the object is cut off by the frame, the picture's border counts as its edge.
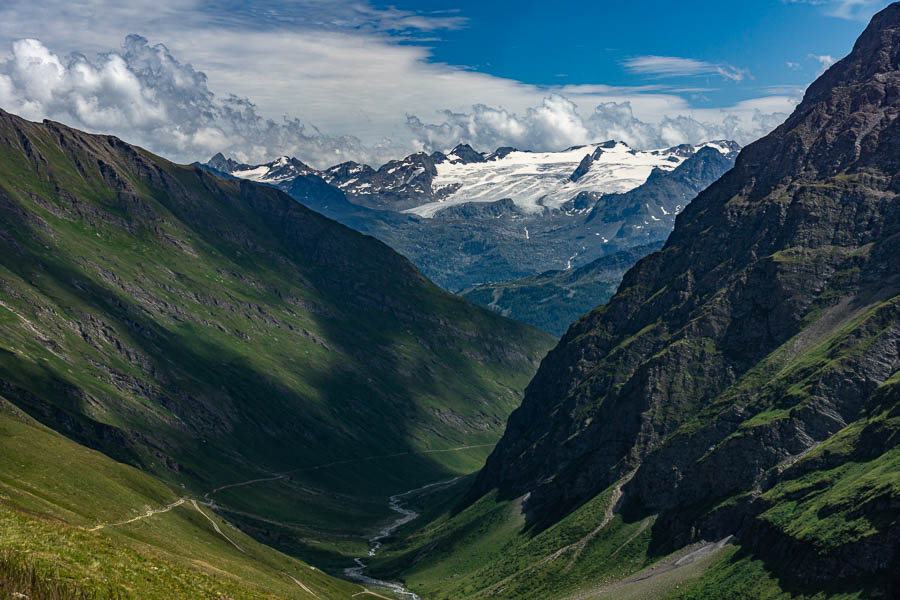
(557, 124)
(145, 95)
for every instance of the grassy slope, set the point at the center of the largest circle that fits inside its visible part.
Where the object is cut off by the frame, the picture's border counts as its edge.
(53, 492)
(212, 332)
(843, 491)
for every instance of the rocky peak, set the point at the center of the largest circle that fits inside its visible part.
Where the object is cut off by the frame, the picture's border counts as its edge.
(501, 152)
(226, 165)
(345, 171)
(466, 154)
(842, 121)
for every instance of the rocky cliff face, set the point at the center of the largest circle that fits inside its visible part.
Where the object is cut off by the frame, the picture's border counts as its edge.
(731, 375)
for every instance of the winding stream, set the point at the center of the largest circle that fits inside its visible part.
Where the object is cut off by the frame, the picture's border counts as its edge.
(406, 515)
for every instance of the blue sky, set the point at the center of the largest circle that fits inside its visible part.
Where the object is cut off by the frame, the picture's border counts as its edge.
(330, 80)
(581, 42)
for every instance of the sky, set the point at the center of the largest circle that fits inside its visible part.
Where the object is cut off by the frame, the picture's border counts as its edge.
(335, 80)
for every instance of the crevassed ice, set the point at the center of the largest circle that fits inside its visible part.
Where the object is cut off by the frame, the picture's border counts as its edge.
(536, 179)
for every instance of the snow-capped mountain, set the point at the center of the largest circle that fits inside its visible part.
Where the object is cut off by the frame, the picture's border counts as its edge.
(279, 170)
(534, 180)
(425, 184)
(466, 217)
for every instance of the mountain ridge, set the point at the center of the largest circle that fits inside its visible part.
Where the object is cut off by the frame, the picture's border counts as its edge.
(739, 256)
(484, 221)
(213, 331)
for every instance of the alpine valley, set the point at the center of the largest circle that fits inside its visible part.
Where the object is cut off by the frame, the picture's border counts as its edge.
(727, 425)
(180, 344)
(230, 381)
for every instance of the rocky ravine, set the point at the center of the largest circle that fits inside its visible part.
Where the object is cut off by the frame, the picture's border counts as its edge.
(748, 370)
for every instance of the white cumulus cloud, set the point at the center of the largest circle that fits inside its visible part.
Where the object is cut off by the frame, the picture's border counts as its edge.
(556, 124)
(145, 95)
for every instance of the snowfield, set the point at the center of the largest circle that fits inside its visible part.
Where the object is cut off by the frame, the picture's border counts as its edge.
(533, 180)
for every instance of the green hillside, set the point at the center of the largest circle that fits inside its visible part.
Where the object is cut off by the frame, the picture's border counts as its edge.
(214, 332)
(555, 299)
(85, 523)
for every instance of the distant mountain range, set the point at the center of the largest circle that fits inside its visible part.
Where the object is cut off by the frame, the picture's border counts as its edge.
(466, 217)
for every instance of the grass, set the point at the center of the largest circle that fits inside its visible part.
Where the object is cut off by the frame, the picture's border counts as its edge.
(739, 575)
(488, 549)
(22, 578)
(53, 493)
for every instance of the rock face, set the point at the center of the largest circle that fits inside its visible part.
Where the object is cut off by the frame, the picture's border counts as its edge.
(735, 370)
(583, 167)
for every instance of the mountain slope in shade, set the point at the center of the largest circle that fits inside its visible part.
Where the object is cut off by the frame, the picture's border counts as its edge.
(554, 300)
(736, 404)
(215, 331)
(783, 273)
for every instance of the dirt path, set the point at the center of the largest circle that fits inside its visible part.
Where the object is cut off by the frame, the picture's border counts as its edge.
(216, 526)
(578, 547)
(242, 483)
(150, 512)
(301, 584)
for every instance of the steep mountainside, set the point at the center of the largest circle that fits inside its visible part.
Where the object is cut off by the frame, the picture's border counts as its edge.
(215, 331)
(742, 382)
(554, 300)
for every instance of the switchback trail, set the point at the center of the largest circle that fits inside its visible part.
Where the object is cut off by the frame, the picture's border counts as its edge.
(575, 547)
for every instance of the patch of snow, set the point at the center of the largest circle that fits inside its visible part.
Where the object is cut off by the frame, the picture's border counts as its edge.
(537, 179)
(256, 174)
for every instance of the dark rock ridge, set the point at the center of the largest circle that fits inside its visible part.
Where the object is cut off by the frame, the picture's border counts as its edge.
(735, 371)
(582, 168)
